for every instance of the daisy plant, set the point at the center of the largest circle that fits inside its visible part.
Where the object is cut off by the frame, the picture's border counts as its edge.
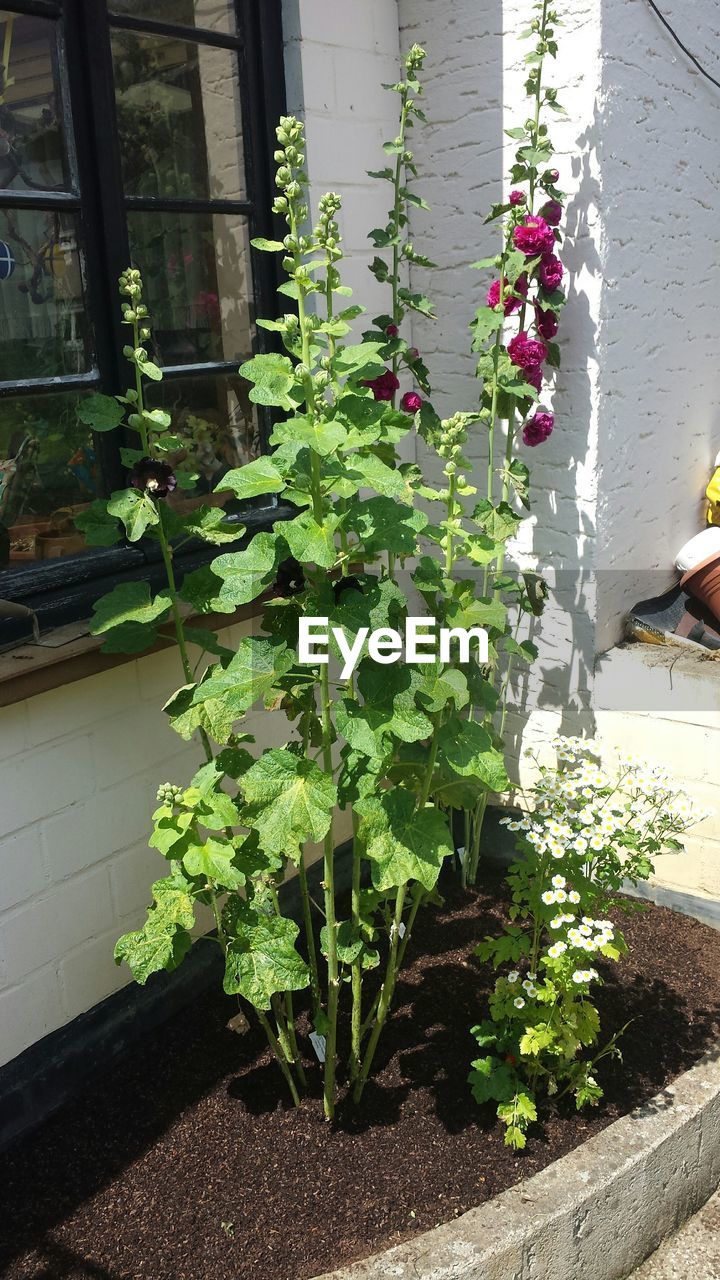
(590, 833)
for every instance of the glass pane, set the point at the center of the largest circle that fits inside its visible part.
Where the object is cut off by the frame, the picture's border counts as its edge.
(196, 269)
(219, 423)
(32, 150)
(43, 320)
(48, 472)
(213, 15)
(178, 108)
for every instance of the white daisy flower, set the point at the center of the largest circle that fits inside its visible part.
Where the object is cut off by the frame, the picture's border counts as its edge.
(519, 1002)
(560, 895)
(557, 922)
(556, 950)
(513, 976)
(573, 896)
(556, 848)
(558, 882)
(579, 976)
(575, 937)
(549, 897)
(532, 977)
(531, 990)
(597, 842)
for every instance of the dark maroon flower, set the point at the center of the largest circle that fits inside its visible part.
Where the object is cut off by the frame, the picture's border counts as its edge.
(547, 323)
(526, 352)
(392, 331)
(156, 479)
(551, 272)
(533, 236)
(384, 387)
(517, 197)
(552, 213)
(411, 402)
(511, 304)
(537, 429)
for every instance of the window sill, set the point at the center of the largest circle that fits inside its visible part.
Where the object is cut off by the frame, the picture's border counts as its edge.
(70, 653)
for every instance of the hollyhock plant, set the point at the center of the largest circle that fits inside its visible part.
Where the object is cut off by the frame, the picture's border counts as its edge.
(385, 386)
(517, 197)
(538, 428)
(551, 272)
(154, 477)
(525, 351)
(546, 322)
(552, 213)
(411, 402)
(511, 303)
(533, 236)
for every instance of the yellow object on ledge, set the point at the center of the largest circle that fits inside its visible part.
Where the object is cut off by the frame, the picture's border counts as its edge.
(712, 493)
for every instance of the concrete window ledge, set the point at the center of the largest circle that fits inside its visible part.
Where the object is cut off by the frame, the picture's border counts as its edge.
(597, 1213)
(657, 678)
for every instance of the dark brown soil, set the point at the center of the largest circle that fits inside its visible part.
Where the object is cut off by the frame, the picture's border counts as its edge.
(187, 1163)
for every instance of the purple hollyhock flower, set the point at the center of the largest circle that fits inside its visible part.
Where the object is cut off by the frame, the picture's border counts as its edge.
(517, 197)
(155, 478)
(511, 304)
(533, 236)
(551, 272)
(411, 402)
(537, 429)
(552, 213)
(525, 351)
(384, 387)
(547, 323)
(392, 331)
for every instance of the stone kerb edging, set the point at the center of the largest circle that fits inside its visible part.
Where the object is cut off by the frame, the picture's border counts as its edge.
(595, 1214)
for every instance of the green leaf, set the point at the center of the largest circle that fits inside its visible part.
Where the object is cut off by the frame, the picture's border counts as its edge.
(150, 370)
(98, 527)
(439, 685)
(389, 708)
(261, 958)
(128, 602)
(244, 575)
(498, 522)
(487, 320)
(360, 361)
(467, 748)
(101, 413)
(135, 509)
(323, 437)
(535, 1040)
(215, 861)
(403, 842)
(311, 542)
(212, 525)
(152, 948)
(381, 524)
(255, 478)
(256, 667)
(267, 246)
(288, 800)
(274, 377)
(366, 471)
(491, 1080)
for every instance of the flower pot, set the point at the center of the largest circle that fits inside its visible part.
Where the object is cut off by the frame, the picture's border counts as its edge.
(703, 582)
(698, 549)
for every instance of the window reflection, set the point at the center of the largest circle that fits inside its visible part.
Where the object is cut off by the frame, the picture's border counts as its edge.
(213, 15)
(48, 473)
(196, 269)
(43, 317)
(179, 123)
(32, 153)
(218, 425)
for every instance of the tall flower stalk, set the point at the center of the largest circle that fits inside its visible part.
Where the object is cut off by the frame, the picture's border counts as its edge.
(514, 333)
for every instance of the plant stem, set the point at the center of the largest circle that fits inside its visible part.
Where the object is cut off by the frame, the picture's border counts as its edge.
(386, 995)
(279, 1057)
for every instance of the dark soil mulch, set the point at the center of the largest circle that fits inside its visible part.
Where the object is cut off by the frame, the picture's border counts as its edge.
(187, 1163)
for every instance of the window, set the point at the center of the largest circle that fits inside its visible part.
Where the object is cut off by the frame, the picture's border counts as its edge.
(130, 131)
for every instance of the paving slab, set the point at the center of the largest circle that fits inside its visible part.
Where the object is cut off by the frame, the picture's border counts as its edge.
(693, 1253)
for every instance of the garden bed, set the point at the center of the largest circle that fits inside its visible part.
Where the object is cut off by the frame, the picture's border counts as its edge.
(187, 1161)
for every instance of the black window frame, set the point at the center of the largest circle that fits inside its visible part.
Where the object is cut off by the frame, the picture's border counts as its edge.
(63, 590)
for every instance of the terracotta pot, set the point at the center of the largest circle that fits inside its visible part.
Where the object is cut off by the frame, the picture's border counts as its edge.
(703, 582)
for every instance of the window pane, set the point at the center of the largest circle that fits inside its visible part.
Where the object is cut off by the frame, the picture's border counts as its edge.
(48, 472)
(219, 423)
(178, 108)
(196, 269)
(213, 15)
(32, 150)
(43, 318)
